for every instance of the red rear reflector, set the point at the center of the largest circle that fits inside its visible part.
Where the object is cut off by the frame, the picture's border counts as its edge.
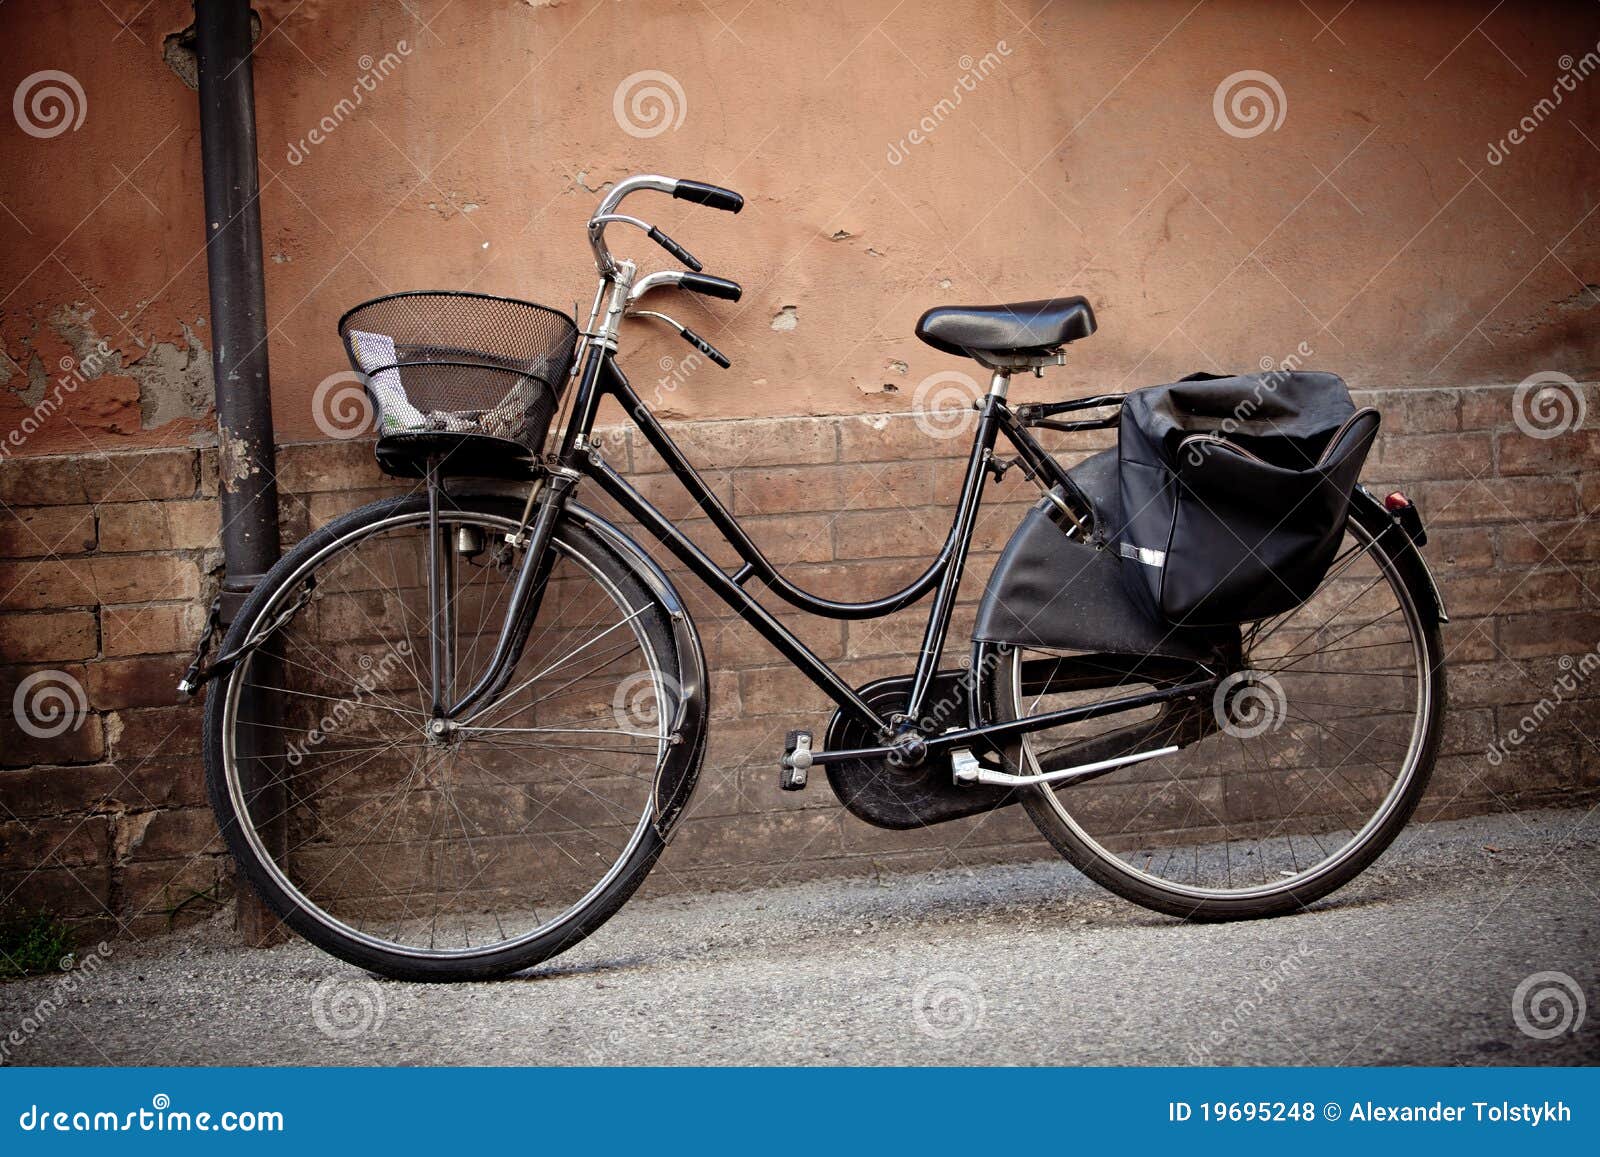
(1396, 502)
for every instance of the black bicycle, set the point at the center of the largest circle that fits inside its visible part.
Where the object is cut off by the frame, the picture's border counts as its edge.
(451, 731)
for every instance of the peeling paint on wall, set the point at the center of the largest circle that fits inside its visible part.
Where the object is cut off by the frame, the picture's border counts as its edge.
(233, 459)
(174, 381)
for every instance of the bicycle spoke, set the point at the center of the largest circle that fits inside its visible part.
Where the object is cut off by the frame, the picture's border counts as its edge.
(1268, 801)
(488, 835)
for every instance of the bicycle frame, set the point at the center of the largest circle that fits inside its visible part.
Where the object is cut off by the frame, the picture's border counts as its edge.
(578, 457)
(598, 375)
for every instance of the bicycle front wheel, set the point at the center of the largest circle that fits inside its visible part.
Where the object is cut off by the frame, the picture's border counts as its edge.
(1322, 747)
(471, 857)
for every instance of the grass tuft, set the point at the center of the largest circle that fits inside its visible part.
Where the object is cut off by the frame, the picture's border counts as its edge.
(32, 943)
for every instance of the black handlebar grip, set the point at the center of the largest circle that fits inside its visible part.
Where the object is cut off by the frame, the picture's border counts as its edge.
(706, 347)
(711, 286)
(675, 249)
(713, 195)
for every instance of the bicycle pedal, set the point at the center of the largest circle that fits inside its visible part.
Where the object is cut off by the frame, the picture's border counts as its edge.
(796, 761)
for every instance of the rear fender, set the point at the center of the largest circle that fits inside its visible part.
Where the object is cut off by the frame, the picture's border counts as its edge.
(1399, 540)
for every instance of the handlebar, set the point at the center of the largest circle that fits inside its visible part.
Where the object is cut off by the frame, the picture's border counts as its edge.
(704, 283)
(714, 196)
(624, 291)
(698, 192)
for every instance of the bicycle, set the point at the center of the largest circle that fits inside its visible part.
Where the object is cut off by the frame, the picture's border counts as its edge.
(452, 731)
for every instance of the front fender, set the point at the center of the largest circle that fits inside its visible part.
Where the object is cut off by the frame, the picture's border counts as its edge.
(678, 773)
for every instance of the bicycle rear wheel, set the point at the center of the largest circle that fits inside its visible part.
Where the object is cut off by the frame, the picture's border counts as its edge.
(465, 858)
(1320, 750)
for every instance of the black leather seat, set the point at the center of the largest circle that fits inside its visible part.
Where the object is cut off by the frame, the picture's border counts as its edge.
(1027, 327)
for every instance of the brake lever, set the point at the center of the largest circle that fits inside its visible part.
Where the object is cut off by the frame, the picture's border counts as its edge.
(672, 247)
(705, 347)
(687, 335)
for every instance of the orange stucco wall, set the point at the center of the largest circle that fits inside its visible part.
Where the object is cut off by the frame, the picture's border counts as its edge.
(1085, 154)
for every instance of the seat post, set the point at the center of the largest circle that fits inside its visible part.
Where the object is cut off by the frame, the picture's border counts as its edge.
(999, 383)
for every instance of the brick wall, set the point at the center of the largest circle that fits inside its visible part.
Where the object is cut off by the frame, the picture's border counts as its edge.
(108, 562)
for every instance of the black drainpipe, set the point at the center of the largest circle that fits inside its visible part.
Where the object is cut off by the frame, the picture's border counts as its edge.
(246, 467)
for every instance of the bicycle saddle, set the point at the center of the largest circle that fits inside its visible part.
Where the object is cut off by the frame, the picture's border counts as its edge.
(1025, 327)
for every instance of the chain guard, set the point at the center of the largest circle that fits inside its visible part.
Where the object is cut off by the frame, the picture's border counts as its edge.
(907, 797)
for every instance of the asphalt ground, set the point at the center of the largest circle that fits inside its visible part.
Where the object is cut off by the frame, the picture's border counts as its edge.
(1468, 943)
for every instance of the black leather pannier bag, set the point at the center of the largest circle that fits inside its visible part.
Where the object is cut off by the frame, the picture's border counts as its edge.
(1235, 491)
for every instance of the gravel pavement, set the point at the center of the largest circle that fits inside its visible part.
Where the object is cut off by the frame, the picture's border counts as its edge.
(1417, 962)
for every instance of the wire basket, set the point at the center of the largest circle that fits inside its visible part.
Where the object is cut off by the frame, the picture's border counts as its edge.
(467, 380)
